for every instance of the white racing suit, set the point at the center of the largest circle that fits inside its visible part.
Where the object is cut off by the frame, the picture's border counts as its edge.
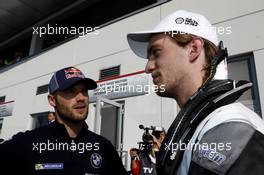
(214, 135)
(236, 135)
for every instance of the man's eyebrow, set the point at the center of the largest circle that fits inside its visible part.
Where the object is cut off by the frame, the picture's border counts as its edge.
(152, 47)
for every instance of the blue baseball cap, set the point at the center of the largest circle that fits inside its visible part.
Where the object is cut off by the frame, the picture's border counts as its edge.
(67, 77)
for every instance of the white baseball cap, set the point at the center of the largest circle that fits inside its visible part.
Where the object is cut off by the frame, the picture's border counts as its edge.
(178, 22)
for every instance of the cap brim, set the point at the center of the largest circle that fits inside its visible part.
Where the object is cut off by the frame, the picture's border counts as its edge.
(90, 84)
(138, 42)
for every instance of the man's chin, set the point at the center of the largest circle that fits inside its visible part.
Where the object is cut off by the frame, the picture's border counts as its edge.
(163, 94)
(80, 118)
(75, 119)
(159, 93)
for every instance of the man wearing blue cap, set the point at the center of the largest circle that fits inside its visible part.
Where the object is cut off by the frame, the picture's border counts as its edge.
(65, 146)
(212, 133)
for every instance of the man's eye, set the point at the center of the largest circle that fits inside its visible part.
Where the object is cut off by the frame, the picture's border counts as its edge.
(156, 53)
(85, 92)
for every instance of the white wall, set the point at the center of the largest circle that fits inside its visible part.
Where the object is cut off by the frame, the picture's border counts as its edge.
(215, 11)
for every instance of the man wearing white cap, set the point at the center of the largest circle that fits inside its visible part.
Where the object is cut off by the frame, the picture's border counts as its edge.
(212, 134)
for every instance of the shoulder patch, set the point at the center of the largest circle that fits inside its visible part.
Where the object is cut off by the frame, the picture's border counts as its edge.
(221, 146)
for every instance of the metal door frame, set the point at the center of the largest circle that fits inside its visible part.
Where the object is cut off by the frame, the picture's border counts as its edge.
(98, 118)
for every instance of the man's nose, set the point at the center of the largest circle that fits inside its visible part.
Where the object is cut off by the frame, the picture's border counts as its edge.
(150, 66)
(81, 96)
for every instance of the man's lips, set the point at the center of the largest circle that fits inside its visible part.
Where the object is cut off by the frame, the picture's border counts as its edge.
(80, 109)
(79, 106)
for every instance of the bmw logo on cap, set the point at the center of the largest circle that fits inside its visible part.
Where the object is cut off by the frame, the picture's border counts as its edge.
(96, 160)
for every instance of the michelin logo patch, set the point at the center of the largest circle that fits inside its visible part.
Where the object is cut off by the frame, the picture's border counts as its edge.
(96, 160)
(49, 166)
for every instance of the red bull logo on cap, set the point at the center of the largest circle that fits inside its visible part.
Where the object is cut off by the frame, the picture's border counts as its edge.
(73, 73)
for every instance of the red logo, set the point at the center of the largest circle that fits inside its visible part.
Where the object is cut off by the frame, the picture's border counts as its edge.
(73, 73)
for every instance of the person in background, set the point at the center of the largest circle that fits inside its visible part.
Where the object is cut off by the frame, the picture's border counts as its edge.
(8, 61)
(18, 56)
(51, 117)
(145, 162)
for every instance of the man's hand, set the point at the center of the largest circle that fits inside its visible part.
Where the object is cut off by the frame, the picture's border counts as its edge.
(133, 153)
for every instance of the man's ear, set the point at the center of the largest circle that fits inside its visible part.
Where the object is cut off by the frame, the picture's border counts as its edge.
(52, 101)
(196, 48)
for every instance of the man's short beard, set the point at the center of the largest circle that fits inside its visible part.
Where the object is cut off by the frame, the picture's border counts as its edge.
(69, 118)
(165, 94)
